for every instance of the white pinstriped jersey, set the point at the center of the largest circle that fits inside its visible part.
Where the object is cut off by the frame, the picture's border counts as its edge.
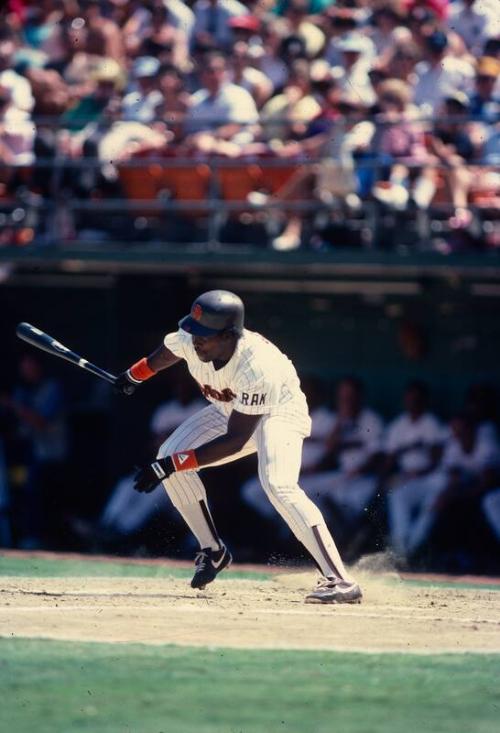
(258, 379)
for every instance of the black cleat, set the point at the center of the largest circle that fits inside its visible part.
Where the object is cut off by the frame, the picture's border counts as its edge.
(208, 564)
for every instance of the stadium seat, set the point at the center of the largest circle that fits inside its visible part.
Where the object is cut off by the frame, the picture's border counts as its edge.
(162, 181)
(236, 182)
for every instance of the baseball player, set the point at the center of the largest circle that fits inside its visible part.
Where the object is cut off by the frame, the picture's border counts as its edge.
(257, 405)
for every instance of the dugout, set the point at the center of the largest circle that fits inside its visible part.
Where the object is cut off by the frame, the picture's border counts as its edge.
(382, 320)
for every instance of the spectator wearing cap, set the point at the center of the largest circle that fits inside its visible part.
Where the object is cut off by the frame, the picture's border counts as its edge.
(426, 16)
(437, 8)
(212, 18)
(107, 79)
(223, 109)
(485, 99)
(468, 19)
(242, 72)
(350, 41)
(246, 28)
(440, 75)
(337, 21)
(140, 104)
(353, 48)
(86, 53)
(20, 88)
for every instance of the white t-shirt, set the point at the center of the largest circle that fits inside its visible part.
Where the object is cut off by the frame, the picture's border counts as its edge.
(362, 437)
(434, 83)
(415, 438)
(472, 24)
(20, 89)
(232, 104)
(485, 454)
(258, 379)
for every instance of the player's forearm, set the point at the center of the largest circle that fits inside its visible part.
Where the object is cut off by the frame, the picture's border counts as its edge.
(148, 366)
(188, 460)
(219, 448)
(161, 358)
(127, 382)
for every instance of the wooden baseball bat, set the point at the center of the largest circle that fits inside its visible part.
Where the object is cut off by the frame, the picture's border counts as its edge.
(43, 341)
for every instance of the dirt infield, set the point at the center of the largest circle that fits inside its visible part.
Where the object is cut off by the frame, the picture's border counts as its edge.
(394, 616)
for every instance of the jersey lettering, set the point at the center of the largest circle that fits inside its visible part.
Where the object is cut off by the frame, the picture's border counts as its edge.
(224, 396)
(244, 398)
(258, 399)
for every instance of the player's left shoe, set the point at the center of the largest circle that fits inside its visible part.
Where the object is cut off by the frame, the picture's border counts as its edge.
(208, 564)
(333, 590)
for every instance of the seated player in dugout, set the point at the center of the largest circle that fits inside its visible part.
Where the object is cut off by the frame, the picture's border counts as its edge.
(257, 405)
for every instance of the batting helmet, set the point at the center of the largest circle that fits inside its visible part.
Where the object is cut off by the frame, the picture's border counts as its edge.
(214, 312)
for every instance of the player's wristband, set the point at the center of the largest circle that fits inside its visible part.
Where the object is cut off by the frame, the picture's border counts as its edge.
(185, 460)
(140, 371)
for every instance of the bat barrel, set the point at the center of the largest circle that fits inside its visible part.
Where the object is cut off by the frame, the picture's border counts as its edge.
(41, 340)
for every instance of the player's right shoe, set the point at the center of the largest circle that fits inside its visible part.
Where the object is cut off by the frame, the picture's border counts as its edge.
(333, 590)
(208, 564)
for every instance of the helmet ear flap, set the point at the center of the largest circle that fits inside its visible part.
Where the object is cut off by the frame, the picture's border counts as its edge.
(232, 331)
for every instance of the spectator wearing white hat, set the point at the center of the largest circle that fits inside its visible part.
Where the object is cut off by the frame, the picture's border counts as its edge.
(355, 54)
(139, 105)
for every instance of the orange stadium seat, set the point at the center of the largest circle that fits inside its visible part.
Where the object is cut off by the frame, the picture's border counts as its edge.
(275, 176)
(139, 185)
(236, 182)
(154, 181)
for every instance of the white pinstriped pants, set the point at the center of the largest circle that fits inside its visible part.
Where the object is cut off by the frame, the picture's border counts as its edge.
(279, 448)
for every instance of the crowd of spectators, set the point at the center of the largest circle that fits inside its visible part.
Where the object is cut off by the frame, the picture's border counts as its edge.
(423, 488)
(400, 99)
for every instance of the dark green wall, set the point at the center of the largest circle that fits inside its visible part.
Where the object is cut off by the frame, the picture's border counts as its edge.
(116, 321)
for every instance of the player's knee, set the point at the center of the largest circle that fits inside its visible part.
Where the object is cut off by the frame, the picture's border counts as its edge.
(283, 494)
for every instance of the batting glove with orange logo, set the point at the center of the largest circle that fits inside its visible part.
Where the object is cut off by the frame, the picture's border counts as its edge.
(148, 477)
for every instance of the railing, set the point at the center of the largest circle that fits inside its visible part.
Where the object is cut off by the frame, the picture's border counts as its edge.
(205, 200)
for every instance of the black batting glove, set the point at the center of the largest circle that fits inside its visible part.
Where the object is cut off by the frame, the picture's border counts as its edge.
(149, 476)
(125, 384)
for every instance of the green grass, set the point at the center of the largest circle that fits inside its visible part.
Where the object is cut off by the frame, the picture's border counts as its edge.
(68, 568)
(58, 687)
(463, 585)
(30, 566)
